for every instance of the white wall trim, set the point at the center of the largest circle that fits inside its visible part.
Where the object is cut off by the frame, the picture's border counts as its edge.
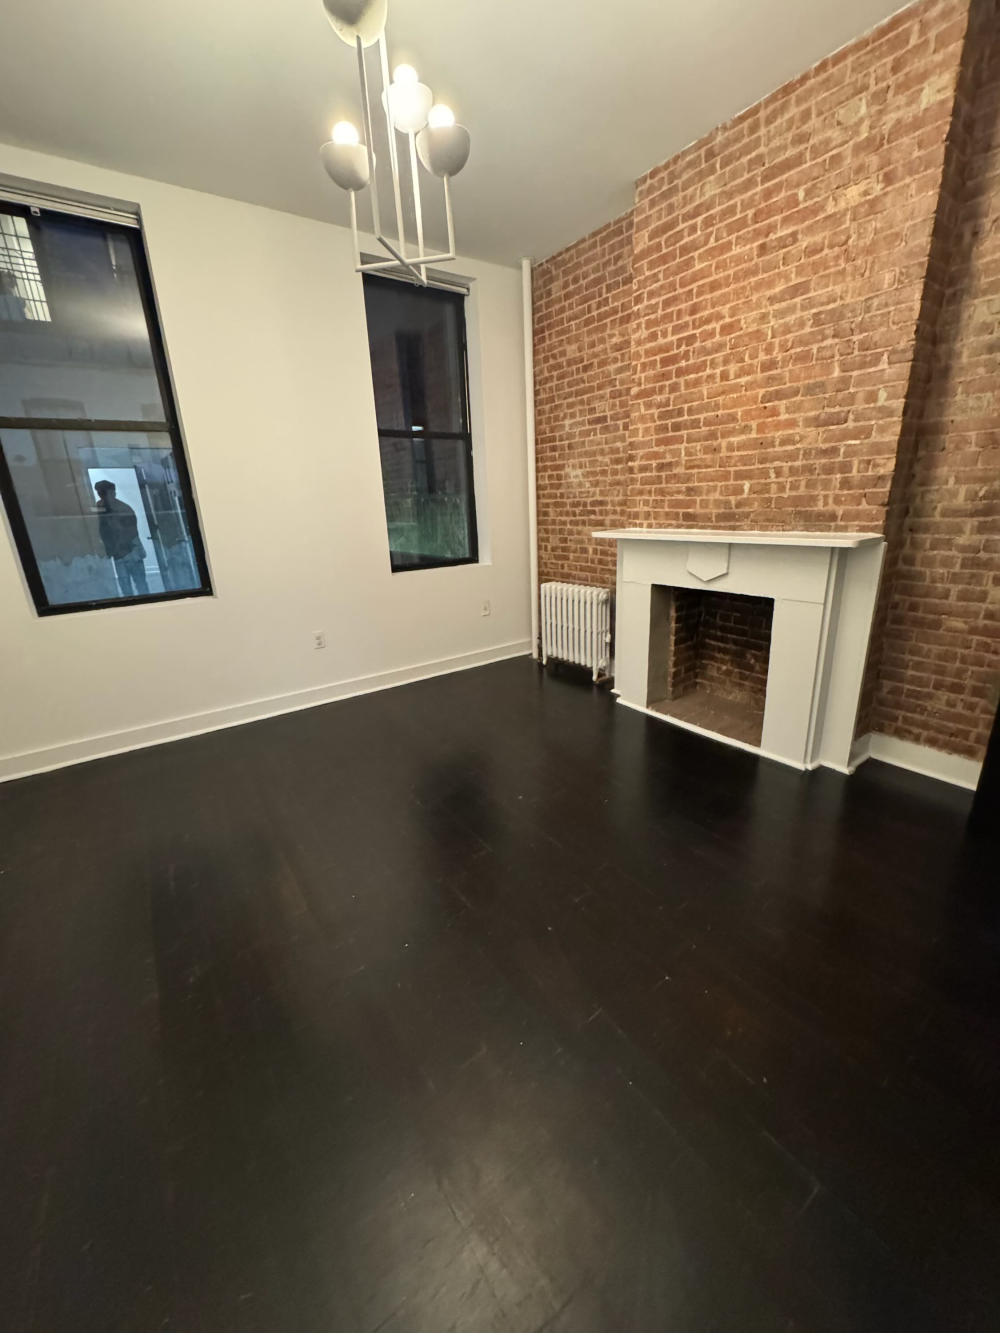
(861, 750)
(954, 768)
(175, 729)
(527, 302)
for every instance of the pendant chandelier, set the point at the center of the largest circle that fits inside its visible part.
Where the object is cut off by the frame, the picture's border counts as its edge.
(430, 132)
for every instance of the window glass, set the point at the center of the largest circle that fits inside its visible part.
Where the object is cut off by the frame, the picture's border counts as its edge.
(104, 513)
(92, 470)
(22, 296)
(427, 495)
(72, 320)
(418, 355)
(417, 340)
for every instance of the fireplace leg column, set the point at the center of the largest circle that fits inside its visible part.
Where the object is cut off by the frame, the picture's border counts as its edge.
(792, 679)
(632, 615)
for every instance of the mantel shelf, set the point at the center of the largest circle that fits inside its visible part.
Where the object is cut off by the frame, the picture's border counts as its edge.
(743, 537)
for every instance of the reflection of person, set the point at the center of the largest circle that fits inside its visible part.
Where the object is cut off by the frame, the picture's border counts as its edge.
(120, 535)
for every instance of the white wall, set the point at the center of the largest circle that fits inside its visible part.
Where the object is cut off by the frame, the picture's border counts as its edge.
(264, 322)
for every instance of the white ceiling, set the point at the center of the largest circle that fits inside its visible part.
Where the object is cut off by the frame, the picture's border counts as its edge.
(568, 101)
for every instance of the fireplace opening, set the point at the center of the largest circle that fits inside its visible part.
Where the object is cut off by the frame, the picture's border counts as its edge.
(708, 659)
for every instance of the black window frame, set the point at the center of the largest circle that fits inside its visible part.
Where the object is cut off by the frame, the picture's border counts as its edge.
(458, 299)
(170, 427)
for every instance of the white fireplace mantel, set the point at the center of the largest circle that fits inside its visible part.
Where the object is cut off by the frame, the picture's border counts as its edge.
(824, 586)
(736, 537)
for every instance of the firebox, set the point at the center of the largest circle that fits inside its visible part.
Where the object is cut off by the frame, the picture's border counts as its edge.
(708, 659)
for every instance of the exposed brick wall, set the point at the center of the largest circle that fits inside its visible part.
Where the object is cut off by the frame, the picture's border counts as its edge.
(582, 303)
(685, 642)
(934, 670)
(778, 271)
(811, 324)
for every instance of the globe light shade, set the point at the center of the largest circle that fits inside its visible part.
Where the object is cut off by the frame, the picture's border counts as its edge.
(346, 164)
(345, 132)
(408, 103)
(440, 115)
(351, 19)
(444, 149)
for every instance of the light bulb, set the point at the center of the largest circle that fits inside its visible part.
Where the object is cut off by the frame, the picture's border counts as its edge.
(345, 132)
(439, 116)
(407, 100)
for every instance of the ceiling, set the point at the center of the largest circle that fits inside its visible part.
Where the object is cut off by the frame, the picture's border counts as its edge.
(568, 101)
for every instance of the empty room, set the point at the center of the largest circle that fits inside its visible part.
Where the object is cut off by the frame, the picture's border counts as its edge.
(499, 666)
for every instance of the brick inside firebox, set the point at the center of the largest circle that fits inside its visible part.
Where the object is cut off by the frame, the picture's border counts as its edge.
(708, 659)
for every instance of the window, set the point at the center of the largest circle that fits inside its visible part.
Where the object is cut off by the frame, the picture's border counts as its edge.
(416, 336)
(92, 470)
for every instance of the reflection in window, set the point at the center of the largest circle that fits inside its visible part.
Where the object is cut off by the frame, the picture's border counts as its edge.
(22, 295)
(416, 338)
(94, 345)
(104, 512)
(92, 470)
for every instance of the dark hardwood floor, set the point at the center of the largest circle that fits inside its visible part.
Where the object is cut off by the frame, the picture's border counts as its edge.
(482, 1004)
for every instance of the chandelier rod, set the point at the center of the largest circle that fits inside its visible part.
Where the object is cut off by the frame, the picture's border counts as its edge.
(393, 156)
(366, 113)
(417, 209)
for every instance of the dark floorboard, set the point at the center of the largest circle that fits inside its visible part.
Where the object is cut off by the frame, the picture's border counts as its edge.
(484, 1005)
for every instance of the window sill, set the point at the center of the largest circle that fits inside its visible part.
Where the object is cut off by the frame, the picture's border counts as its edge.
(120, 603)
(432, 563)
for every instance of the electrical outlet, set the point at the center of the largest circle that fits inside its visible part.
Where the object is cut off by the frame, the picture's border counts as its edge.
(486, 608)
(319, 639)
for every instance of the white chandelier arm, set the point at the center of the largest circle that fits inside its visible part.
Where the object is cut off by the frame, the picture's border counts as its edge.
(366, 112)
(378, 265)
(393, 156)
(354, 231)
(417, 209)
(451, 220)
(421, 273)
(369, 140)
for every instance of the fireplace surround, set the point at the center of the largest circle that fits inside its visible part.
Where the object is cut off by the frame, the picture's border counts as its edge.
(823, 586)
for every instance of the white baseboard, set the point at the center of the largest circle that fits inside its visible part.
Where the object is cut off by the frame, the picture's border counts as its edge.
(921, 759)
(860, 751)
(954, 768)
(157, 733)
